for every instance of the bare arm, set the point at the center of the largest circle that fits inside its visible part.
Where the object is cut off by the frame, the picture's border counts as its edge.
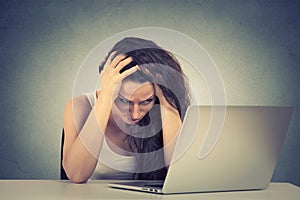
(171, 122)
(78, 162)
(81, 150)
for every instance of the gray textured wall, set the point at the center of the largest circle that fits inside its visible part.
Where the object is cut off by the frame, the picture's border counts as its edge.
(255, 44)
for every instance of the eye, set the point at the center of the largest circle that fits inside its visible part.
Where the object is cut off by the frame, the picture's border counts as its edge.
(146, 102)
(123, 100)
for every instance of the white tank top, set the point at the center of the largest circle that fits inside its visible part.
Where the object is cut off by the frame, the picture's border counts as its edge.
(111, 165)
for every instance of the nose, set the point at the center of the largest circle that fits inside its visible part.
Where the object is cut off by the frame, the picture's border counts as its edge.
(135, 112)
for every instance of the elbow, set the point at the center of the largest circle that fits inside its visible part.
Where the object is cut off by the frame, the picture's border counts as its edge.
(73, 175)
(77, 179)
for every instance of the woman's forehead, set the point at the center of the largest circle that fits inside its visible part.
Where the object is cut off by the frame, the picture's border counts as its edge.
(136, 91)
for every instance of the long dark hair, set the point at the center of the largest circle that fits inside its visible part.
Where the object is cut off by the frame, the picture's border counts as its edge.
(160, 67)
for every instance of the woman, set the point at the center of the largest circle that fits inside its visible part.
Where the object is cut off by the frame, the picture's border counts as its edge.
(128, 128)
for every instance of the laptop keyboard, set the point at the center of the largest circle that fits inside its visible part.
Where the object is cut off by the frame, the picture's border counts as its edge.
(146, 184)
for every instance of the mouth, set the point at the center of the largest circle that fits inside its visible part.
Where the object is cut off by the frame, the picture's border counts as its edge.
(136, 120)
(132, 121)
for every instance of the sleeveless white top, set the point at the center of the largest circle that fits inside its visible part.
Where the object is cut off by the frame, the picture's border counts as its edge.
(111, 165)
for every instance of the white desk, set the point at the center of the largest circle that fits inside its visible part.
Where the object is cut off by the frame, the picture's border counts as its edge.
(52, 189)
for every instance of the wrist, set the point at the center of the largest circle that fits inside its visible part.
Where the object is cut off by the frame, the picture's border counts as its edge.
(104, 94)
(104, 98)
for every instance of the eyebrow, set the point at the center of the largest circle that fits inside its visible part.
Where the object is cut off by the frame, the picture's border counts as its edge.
(150, 98)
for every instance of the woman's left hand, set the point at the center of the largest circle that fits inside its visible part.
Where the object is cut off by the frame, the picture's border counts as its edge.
(163, 101)
(171, 123)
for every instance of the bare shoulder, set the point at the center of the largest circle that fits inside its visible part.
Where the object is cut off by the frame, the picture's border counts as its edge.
(78, 102)
(77, 110)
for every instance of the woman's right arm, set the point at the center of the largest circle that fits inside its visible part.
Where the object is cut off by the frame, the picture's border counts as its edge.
(77, 162)
(81, 150)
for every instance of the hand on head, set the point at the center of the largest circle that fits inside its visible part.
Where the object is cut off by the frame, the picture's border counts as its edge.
(111, 77)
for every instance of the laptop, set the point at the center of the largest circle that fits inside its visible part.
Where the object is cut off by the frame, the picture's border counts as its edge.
(222, 148)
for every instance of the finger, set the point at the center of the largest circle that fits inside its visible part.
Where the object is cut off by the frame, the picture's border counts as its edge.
(126, 73)
(117, 60)
(158, 91)
(112, 62)
(157, 88)
(107, 63)
(112, 54)
(109, 59)
(122, 64)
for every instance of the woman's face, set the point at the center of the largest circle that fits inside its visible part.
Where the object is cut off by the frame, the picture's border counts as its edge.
(133, 102)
